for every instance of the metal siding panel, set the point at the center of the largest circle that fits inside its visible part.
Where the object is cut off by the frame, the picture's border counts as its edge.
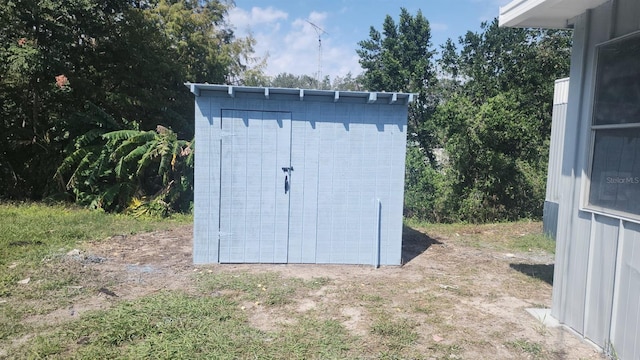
(356, 158)
(254, 178)
(556, 146)
(574, 232)
(367, 243)
(205, 218)
(626, 332)
(326, 132)
(237, 197)
(550, 219)
(568, 204)
(296, 221)
(396, 196)
(225, 187)
(574, 271)
(599, 296)
(269, 184)
(340, 183)
(383, 186)
(283, 156)
(310, 187)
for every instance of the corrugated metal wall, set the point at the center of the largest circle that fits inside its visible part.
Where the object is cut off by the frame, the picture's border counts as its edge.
(558, 123)
(597, 272)
(345, 196)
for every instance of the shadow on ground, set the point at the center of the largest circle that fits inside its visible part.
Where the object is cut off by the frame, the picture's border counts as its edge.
(414, 243)
(542, 272)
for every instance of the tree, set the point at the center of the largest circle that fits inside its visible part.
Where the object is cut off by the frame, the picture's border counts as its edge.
(400, 58)
(496, 124)
(348, 82)
(60, 60)
(287, 80)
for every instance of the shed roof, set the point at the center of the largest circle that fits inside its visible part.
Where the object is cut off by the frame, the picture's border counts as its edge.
(335, 95)
(553, 14)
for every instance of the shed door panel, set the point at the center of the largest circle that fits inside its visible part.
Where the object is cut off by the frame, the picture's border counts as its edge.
(254, 208)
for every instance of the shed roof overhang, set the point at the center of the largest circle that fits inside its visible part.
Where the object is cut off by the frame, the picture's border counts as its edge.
(335, 95)
(551, 14)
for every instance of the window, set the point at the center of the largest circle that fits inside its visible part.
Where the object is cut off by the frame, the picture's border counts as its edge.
(615, 167)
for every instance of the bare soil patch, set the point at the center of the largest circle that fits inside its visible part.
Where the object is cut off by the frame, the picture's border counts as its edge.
(465, 301)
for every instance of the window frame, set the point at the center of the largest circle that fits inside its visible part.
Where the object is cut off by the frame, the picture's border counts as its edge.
(593, 130)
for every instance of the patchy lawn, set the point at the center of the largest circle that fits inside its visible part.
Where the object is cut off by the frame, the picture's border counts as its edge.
(461, 294)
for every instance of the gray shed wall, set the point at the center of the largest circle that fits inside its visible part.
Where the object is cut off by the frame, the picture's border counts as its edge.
(558, 124)
(597, 272)
(345, 200)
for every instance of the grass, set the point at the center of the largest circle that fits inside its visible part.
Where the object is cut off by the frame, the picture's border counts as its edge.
(397, 333)
(521, 236)
(174, 325)
(33, 239)
(212, 319)
(532, 348)
(31, 232)
(266, 288)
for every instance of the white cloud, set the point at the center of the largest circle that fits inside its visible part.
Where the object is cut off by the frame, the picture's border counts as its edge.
(244, 21)
(292, 46)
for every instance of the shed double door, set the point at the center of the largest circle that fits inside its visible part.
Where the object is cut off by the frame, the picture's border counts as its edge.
(255, 176)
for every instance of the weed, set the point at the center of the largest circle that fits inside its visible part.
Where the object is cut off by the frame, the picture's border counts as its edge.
(398, 333)
(10, 321)
(446, 351)
(532, 348)
(371, 298)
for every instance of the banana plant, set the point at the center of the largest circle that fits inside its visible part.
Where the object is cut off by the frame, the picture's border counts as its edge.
(144, 172)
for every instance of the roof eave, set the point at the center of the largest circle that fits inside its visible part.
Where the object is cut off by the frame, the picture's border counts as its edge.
(336, 95)
(550, 14)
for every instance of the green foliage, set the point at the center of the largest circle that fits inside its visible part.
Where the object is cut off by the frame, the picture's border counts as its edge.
(423, 196)
(489, 115)
(147, 172)
(129, 59)
(400, 58)
(494, 152)
(287, 80)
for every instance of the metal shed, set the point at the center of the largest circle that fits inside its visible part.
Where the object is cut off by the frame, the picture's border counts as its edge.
(552, 196)
(596, 285)
(298, 176)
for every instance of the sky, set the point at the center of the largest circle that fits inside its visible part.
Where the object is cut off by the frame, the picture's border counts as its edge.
(285, 35)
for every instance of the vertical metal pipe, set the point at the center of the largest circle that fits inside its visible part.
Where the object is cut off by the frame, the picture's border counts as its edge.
(378, 232)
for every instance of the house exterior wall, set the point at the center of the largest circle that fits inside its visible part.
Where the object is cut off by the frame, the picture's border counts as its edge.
(597, 272)
(345, 191)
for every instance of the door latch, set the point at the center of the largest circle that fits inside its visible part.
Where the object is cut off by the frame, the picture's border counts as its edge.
(287, 171)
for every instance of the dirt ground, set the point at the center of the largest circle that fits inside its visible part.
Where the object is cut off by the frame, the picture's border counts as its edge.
(470, 298)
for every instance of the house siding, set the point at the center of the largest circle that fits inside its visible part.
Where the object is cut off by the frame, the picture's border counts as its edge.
(597, 278)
